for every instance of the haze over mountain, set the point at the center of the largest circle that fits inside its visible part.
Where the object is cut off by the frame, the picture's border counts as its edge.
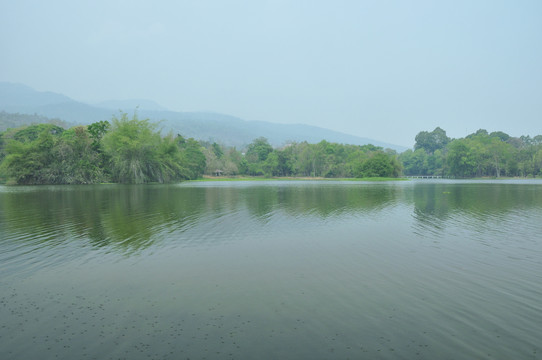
(208, 126)
(384, 70)
(131, 104)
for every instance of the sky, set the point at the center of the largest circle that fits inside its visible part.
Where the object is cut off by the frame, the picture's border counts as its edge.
(379, 69)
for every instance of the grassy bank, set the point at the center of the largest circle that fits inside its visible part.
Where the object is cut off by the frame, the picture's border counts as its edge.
(290, 178)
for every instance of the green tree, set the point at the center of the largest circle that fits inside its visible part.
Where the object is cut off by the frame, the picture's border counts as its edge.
(257, 153)
(380, 164)
(29, 155)
(431, 141)
(138, 154)
(415, 162)
(499, 153)
(285, 161)
(76, 160)
(501, 135)
(132, 145)
(461, 162)
(271, 165)
(193, 158)
(435, 163)
(217, 149)
(97, 131)
(258, 150)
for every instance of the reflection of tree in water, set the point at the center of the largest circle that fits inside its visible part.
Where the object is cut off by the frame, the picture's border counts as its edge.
(321, 200)
(218, 200)
(336, 200)
(129, 219)
(122, 217)
(431, 206)
(132, 218)
(435, 204)
(261, 201)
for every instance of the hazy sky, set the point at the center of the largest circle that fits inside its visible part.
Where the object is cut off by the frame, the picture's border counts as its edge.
(379, 69)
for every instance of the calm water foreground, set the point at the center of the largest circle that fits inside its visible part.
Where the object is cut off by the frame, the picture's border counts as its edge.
(276, 270)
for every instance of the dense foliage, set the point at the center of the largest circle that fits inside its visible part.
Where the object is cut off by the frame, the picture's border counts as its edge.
(126, 151)
(132, 150)
(324, 159)
(479, 154)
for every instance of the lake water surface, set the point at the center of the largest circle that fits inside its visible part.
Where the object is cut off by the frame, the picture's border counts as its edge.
(272, 270)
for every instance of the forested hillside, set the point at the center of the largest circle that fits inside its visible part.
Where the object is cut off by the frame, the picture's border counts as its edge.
(208, 126)
(15, 120)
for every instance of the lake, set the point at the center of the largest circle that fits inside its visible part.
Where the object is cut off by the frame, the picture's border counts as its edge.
(427, 269)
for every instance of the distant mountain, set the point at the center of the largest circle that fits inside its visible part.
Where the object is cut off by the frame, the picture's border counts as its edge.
(225, 129)
(17, 98)
(18, 95)
(13, 121)
(131, 104)
(233, 131)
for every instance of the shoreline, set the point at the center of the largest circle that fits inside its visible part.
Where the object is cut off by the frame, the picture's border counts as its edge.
(290, 178)
(210, 178)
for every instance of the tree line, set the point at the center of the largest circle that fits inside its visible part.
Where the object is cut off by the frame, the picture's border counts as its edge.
(127, 150)
(132, 150)
(324, 159)
(480, 154)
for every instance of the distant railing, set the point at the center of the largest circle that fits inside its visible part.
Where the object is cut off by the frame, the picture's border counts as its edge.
(427, 177)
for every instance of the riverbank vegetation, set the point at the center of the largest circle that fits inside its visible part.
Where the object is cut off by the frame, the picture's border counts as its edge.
(132, 150)
(324, 160)
(480, 154)
(124, 151)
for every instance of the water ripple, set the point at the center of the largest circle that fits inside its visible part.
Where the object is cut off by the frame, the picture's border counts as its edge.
(414, 270)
